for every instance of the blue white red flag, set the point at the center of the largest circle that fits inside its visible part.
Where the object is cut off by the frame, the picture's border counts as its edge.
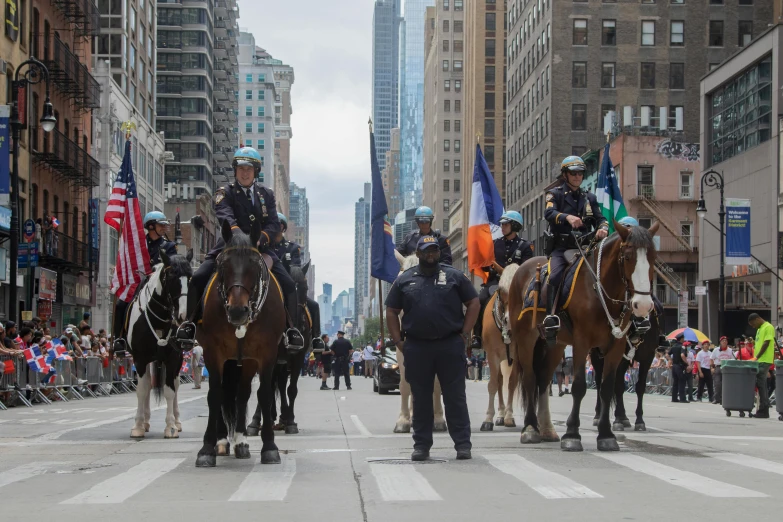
(35, 359)
(56, 350)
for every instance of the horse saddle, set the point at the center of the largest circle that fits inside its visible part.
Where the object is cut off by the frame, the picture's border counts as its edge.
(566, 288)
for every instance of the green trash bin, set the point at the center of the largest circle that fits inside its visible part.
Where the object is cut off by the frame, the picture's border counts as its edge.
(779, 382)
(739, 385)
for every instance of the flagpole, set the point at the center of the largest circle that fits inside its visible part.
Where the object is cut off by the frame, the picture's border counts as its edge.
(380, 290)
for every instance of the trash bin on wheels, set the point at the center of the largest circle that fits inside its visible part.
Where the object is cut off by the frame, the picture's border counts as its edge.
(778, 382)
(739, 386)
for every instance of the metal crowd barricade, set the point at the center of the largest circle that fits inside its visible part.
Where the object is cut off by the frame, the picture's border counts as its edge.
(94, 376)
(12, 384)
(116, 378)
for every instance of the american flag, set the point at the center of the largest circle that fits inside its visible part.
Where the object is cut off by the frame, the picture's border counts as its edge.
(124, 216)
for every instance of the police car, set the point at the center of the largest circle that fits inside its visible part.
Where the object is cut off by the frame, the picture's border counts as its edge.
(386, 376)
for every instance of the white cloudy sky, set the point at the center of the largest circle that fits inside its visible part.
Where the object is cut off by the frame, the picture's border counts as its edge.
(329, 44)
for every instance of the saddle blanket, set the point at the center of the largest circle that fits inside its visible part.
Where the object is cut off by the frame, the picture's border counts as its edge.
(566, 290)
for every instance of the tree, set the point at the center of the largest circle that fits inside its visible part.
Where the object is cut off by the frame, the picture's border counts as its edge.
(372, 330)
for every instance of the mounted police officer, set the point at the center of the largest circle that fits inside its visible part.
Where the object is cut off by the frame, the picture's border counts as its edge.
(510, 248)
(568, 208)
(290, 254)
(243, 203)
(156, 224)
(424, 217)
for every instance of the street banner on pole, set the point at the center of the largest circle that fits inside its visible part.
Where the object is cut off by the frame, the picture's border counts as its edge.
(738, 231)
(5, 154)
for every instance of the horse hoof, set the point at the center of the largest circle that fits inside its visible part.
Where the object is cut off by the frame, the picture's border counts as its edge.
(530, 437)
(626, 423)
(146, 426)
(270, 457)
(206, 461)
(178, 425)
(618, 426)
(171, 433)
(402, 428)
(550, 436)
(499, 421)
(278, 427)
(137, 433)
(223, 449)
(242, 451)
(252, 431)
(291, 429)
(487, 426)
(571, 445)
(608, 445)
(439, 426)
(510, 423)
(595, 422)
(640, 427)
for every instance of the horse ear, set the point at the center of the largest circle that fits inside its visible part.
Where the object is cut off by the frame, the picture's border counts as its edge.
(189, 256)
(165, 258)
(621, 229)
(306, 267)
(654, 228)
(225, 231)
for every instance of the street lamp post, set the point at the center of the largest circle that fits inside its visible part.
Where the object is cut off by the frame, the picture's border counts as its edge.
(35, 73)
(712, 178)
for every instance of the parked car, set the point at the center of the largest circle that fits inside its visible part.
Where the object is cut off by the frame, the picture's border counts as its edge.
(387, 372)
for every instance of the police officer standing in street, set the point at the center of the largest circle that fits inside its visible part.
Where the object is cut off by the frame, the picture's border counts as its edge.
(424, 217)
(568, 208)
(341, 349)
(436, 333)
(510, 248)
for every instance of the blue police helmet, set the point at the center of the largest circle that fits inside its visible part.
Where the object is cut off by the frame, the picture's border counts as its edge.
(156, 217)
(283, 219)
(247, 156)
(573, 163)
(513, 217)
(424, 215)
(629, 222)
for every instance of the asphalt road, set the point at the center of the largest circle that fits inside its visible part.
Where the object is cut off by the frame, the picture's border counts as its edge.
(75, 461)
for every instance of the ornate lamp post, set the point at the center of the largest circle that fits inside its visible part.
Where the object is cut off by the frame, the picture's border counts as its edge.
(712, 178)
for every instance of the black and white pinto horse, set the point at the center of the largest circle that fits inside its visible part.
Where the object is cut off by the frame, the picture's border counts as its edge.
(289, 365)
(153, 315)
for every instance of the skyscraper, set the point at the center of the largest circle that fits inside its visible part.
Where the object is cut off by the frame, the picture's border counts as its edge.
(385, 73)
(299, 219)
(412, 101)
(361, 260)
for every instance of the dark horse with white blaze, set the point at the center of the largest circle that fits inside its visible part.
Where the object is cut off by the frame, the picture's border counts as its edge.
(152, 319)
(599, 315)
(243, 323)
(289, 364)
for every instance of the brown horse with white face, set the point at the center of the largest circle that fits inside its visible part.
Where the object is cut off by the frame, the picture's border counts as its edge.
(244, 318)
(599, 316)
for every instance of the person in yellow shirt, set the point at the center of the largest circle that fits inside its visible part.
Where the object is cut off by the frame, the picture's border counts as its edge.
(764, 353)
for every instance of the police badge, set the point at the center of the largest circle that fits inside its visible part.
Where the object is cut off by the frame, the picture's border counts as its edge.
(219, 195)
(441, 278)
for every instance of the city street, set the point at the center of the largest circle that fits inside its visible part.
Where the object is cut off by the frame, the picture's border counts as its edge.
(75, 461)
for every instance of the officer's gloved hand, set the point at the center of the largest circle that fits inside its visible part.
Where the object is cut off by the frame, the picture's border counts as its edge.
(263, 241)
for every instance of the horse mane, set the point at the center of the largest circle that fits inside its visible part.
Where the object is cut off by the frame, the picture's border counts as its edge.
(507, 276)
(240, 241)
(409, 262)
(640, 237)
(180, 266)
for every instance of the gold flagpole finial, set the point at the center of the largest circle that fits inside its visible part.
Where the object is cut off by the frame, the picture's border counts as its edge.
(369, 122)
(608, 136)
(478, 137)
(128, 126)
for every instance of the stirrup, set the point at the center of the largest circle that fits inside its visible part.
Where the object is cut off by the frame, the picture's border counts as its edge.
(317, 344)
(119, 347)
(475, 343)
(295, 341)
(552, 323)
(186, 334)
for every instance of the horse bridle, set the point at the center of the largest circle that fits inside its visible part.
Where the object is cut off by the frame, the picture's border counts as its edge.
(257, 295)
(167, 305)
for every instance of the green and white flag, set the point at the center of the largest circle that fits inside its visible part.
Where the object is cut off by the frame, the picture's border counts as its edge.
(608, 192)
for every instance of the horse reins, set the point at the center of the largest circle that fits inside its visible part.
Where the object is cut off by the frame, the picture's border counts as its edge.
(151, 298)
(257, 296)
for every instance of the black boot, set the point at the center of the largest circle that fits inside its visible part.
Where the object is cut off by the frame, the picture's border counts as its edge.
(186, 333)
(551, 321)
(120, 347)
(293, 335)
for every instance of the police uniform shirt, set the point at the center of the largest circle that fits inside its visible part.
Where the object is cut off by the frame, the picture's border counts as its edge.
(408, 246)
(341, 346)
(289, 253)
(233, 205)
(154, 246)
(432, 305)
(515, 250)
(562, 202)
(676, 354)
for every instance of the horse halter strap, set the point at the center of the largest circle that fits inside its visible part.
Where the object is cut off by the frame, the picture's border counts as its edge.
(257, 296)
(146, 311)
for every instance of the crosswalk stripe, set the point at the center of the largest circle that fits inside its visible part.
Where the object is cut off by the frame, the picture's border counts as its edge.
(685, 479)
(25, 472)
(119, 488)
(546, 483)
(402, 483)
(360, 426)
(748, 461)
(267, 482)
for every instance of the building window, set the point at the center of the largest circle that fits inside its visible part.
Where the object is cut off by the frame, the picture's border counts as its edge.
(248, 94)
(744, 32)
(248, 143)
(445, 26)
(489, 74)
(445, 5)
(579, 75)
(489, 47)
(489, 128)
(456, 185)
(716, 33)
(260, 95)
(580, 31)
(686, 185)
(248, 111)
(249, 78)
(458, 5)
(578, 117)
(445, 205)
(249, 127)
(489, 101)
(676, 76)
(446, 165)
(457, 164)
(457, 26)
(457, 46)
(260, 144)
(446, 125)
(456, 145)
(445, 65)
(730, 135)
(447, 85)
(609, 32)
(645, 181)
(261, 111)
(261, 128)
(607, 75)
(447, 105)
(647, 76)
(457, 65)
(745, 2)
(445, 185)
(457, 125)
(677, 36)
(446, 45)
(605, 109)
(457, 85)
(261, 78)
(446, 145)
(686, 231)
(446, 224)
(648, 32)
(489, 21)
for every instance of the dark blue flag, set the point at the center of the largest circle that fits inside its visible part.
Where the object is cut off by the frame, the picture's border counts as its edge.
(383, 265)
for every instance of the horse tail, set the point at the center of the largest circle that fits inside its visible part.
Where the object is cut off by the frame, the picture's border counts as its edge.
(159, 374)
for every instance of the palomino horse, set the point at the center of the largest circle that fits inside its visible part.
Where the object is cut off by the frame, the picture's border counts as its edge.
(614, 282)
(403, 424)
(502, 371)
(644, 354)
(289, 365)
(153, 315)
(244, 321)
